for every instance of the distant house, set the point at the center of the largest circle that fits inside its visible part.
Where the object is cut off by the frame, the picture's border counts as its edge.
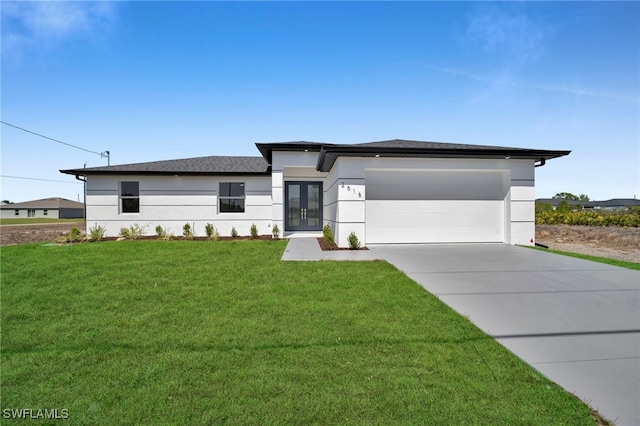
(613, 204)
(396, 191)
(54, 208)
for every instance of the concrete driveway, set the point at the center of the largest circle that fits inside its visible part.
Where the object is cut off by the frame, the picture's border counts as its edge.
(575, 321)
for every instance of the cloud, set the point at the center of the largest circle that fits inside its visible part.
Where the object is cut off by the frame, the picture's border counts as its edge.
(26, 24)
(568, 90)
(512, 36)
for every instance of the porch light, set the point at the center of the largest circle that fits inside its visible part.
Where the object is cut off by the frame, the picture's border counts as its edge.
(377, 155)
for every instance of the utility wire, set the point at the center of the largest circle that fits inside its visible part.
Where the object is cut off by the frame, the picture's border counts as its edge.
(46, 180)
(101, 154)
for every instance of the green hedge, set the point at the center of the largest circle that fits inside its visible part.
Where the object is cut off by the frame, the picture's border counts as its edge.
(588, 218)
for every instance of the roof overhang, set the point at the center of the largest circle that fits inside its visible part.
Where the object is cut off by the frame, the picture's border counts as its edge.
(330, 153)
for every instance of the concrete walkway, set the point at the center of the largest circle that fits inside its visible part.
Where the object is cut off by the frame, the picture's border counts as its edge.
(575, 321)
(308, 249)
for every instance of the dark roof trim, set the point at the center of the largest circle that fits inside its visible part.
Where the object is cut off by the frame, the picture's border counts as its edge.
(329, 154)
(266, 149)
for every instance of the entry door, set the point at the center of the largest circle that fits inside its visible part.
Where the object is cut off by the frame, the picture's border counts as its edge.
(303, 206)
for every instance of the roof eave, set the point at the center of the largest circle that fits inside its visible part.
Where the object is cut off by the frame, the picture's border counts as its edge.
(329, 155)
(82, 172)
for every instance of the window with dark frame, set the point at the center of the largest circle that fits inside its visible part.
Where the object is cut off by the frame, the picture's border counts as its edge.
(16, 212)
(45, 212)
(130, 197)
(231, 197)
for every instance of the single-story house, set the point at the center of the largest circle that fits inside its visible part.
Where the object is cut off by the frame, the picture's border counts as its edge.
(54, 208)
(396, 191)
(613, 204)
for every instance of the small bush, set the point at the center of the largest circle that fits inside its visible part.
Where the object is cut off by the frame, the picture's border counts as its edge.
(74, 235)
(354, 243)
(254, 231)
(234, 232)
(327, 235)
(96, 233)
(163, 234)
(187, 232)
(275, 231)
(212, 232)
(134, 232)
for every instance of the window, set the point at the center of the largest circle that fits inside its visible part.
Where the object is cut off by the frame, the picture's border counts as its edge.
(16, 212)
(130, 197)
(231, 197)
(45, 212)
(31, 213)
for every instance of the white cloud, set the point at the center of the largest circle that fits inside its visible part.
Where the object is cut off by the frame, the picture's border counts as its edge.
(26, 24)
(510, 36)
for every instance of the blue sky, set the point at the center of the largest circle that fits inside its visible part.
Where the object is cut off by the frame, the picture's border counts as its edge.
(163, 80)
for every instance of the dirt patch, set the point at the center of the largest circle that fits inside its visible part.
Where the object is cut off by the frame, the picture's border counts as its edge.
(610, 242)
(38, 232)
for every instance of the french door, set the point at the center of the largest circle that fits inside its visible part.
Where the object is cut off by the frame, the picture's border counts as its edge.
(303, 206)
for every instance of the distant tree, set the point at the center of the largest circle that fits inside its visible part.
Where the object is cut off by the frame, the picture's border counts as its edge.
(584, 198)
(564, 207)
(7, 202)
(566, 196)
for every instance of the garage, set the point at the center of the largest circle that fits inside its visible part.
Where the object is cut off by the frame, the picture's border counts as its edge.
(435, 206)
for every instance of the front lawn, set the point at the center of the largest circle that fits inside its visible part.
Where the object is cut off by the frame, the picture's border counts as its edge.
(180, 332)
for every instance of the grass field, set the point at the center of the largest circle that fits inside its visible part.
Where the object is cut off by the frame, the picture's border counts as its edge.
(179, 332)
(36, 220)
(614, 262)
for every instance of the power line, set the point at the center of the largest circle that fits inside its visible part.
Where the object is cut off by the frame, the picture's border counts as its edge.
(101, 154)
(45, 180)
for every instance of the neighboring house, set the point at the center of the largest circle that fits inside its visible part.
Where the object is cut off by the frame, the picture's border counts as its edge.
(613, 204)
(54, 208)
(395, 191)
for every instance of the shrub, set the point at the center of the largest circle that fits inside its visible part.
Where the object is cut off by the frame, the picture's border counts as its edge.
(354, 243)
(163, 234)
(96, 233)
(327, 235)
(212, 232)
(234, 232)
(74, 235)
(254, 231)
(134, 232)
(275, 231)
(187, 232)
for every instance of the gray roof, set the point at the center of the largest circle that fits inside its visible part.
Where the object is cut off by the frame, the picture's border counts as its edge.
(45, 203)
(329, 153)
(188, 166)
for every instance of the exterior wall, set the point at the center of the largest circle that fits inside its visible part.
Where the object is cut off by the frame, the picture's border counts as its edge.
(172, 201)
(24, 214)
(71, 213)
(347, 202)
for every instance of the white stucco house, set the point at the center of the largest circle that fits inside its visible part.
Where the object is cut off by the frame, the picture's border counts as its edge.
(396, 191)
(52, 208)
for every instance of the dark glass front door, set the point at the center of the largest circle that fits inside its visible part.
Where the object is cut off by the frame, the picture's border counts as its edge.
(303, 206)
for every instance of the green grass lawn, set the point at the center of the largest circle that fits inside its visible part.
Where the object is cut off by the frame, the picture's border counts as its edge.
(34, 220)
(179, 332)
(606, 260)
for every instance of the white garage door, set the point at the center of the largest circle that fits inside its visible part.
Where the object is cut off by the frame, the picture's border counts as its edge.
(435, 206)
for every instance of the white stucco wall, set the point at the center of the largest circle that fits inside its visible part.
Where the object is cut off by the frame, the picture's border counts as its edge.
(172, 201)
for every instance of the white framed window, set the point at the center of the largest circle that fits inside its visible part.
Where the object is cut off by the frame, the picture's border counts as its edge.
(45, 212)
(16, 212)
(129, 197)
(231, 197)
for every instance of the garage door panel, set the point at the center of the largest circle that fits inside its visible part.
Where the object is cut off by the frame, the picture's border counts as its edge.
(434, 221)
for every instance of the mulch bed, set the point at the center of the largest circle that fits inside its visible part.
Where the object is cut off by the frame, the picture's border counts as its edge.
(326, 247)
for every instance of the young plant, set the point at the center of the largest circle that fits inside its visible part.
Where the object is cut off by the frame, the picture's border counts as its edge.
(254, 231)
(96, 233)
(187, 232)
(354, 243)
(275, 231)
(136, 231)
(212, 232)
(74, 235)
(234, 232)
(327, 235)
(163, 234)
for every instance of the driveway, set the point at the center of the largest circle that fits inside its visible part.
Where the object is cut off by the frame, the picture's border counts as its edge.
(575, 321)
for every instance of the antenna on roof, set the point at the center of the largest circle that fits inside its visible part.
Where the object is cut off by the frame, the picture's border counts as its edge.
(108, 155)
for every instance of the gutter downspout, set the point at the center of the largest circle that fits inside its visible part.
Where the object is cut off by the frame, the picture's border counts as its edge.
(84, 201)
(542, 163)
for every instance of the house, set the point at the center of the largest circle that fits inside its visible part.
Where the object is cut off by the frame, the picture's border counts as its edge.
(396, 191)
(54, 208)
(615, 204)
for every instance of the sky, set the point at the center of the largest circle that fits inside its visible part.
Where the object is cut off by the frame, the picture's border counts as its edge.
(152, 81)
